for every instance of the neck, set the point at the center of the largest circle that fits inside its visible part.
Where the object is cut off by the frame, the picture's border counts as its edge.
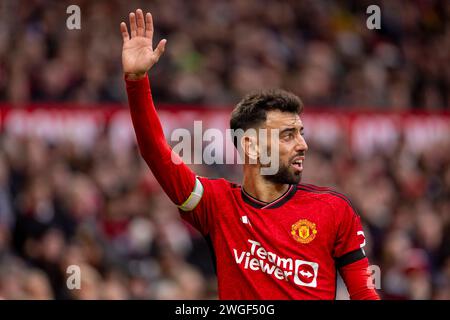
(258, 187)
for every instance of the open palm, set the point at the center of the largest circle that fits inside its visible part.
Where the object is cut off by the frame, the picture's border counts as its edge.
(138, 55)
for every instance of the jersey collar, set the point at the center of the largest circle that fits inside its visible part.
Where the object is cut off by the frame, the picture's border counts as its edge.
(269, 205)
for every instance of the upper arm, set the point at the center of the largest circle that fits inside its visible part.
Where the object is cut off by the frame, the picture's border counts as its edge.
(350, 240)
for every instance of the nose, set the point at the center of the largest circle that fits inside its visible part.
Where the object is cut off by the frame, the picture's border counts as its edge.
(301, 145)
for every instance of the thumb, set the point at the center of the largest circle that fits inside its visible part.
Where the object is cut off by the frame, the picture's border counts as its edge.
(160, 48)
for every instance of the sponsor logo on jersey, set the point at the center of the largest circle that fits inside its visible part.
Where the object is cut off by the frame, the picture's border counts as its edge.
(306, 274)
(301, 272)
(304, 231)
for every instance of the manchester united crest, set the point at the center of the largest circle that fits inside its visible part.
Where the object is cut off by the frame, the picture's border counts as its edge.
(304, 231)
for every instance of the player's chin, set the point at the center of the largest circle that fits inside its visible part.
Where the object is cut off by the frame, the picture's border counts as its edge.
(295, 176)
(285, 175)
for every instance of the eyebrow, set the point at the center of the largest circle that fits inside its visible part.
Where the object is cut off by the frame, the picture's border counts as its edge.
(291, 129)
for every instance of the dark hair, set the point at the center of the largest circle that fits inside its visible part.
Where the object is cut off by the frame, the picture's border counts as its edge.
(252, 109)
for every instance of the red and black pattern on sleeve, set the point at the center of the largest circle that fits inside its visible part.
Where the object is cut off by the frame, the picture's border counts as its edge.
(349, 256)
(349, 229)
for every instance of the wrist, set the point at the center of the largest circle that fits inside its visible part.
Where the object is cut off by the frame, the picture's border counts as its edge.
(135, 76)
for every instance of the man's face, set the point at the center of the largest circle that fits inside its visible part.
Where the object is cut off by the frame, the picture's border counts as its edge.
(292, 146)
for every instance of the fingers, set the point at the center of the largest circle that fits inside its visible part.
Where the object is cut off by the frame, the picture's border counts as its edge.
(160, 48)
(124, 30)
(138, 26)
(133, 26)
(148, 25)
(140, 23)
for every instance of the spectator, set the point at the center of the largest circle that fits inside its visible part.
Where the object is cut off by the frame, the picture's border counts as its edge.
(218, 51)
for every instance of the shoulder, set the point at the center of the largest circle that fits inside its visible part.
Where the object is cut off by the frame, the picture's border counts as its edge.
(330, 196)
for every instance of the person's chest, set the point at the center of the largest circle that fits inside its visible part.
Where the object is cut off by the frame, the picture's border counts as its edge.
(302, 228)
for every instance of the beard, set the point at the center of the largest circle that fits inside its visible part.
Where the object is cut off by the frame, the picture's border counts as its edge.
(284, 176)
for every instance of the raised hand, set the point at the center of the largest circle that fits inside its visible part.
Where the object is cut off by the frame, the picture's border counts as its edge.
(138, 55)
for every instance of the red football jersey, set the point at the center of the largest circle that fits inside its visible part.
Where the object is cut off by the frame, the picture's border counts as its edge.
(286, 249)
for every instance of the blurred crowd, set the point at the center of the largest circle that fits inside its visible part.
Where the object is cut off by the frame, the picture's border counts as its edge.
(219, 50)
(102, 210)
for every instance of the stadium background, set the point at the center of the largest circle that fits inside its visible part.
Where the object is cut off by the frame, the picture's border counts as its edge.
(73, 189)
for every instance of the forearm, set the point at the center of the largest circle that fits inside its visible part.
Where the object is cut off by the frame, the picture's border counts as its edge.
(177, 180)
(357, 279)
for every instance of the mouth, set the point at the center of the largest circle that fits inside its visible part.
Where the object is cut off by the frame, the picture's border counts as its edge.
(297, 163)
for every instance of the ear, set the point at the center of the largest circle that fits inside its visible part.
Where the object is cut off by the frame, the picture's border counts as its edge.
(250, 147)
